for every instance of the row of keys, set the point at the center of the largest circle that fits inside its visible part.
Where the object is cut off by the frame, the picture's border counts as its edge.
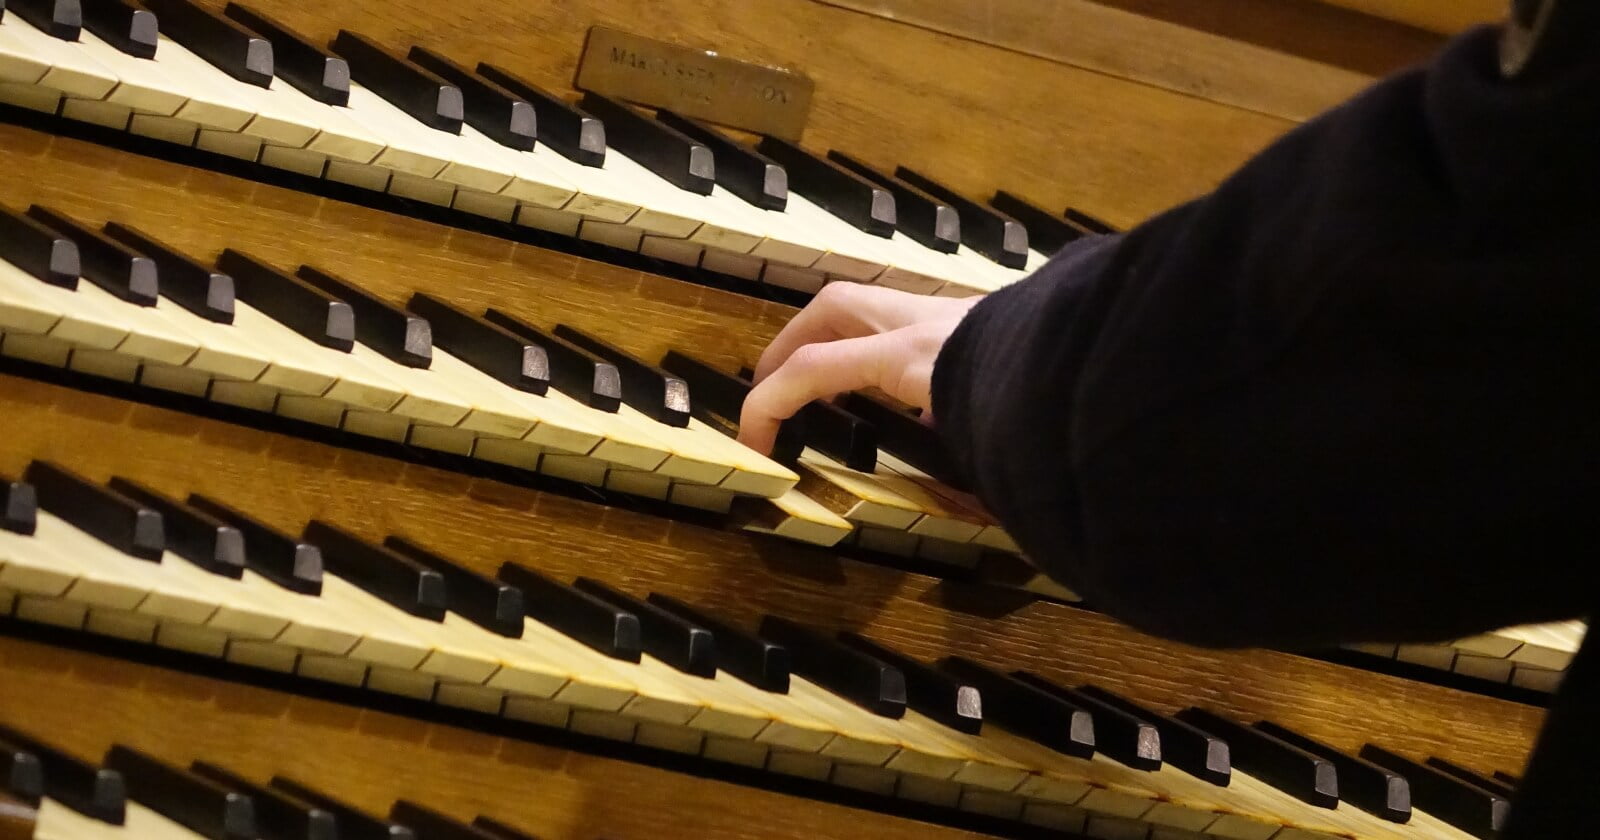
(1533, 657)
(319, 348)
(132, 794)
(398, 618)
(484, 141)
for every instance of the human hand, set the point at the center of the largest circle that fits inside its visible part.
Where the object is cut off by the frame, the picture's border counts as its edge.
(848, 338)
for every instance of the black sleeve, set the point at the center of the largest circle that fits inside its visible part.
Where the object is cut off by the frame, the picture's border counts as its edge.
(1353, 394)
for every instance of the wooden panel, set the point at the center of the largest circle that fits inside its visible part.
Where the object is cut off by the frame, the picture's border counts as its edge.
(1085, 34)
(1447, 16)
(483, 523)
(978, 117)
(202, 212)
(371, 758)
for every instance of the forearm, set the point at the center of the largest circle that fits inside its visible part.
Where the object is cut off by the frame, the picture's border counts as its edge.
(1336, 399)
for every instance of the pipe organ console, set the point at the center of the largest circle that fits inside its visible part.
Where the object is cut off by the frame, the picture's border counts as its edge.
(368, 466)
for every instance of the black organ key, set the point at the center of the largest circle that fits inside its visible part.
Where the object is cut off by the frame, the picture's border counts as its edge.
(97, 792)
(400, 335)
(190, 284)
(1462, 804)
(593, 621)
(279, 815)
(501, 115)
(1492, 785)
(669, 637)
(841, 435)
(1184, 746)
(1374, 789)
(1086, 221)
(276, 556)
(19, 506)
(192, 534)
(499, 830)
(1026, 711)
(36, 249)
(432, 825)
(721, 394)
(574, 370)
(905, 436)
(486, 346)
(106, 262)
(684, 162)
(865, 680)
(429, 99)
(291, 301)
(563, 126)
(740, 169)
(307, 66)
(123, 25)
(1047, 234)
(60, 18)
(392, 577)
(757, 661)
(834, 188)
(1119, 735)
(104, 514)
(1301, 774)
(21, 772)
(209, 809)
(230, 47)
(929, 691)
(354, 823)
(920, 216)
(491, 604)
(652, 391)
(985, 230)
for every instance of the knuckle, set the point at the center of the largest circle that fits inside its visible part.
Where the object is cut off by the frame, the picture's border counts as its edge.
(808, 358)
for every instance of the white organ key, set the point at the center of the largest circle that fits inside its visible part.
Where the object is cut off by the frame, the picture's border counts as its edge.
(753, 474)
(151, 335)
(622, 441)
(492, 412)
(424, 397)
(26, 565)
(601, 195)
(19, 63)
(688, 458)
(239, 608)
(71, 71)
(223, 351)
(530, 181)
(383, 641)
(309, 625)
(81, 320)
(143, 85)
(407, 149)
(100, 582)
(22, 309)
(209, 93)
(353, 382)
(58, 822)
(291, 369)
(592, 684)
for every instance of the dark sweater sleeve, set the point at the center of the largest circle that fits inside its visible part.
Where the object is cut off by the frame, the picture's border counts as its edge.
(1353, 394)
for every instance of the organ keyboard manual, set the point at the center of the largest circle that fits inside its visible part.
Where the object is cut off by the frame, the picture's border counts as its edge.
(370, 378)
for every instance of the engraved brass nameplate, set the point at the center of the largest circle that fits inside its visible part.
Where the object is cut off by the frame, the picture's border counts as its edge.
(695, 83)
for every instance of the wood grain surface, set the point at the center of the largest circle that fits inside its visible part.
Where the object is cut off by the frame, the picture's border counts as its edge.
(483, 523)
(371, 758)
(979, 117)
